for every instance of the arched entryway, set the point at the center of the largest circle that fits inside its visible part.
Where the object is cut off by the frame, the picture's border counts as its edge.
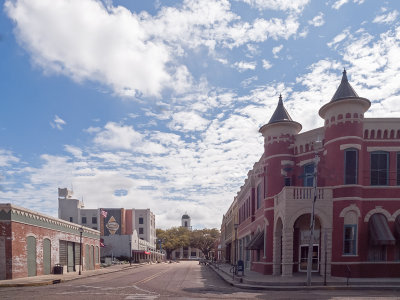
(301, 239)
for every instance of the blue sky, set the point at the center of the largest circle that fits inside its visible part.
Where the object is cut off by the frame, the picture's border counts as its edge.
(157, 104)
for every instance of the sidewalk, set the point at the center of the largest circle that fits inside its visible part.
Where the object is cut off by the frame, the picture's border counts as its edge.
(53, 278)
(257, 281)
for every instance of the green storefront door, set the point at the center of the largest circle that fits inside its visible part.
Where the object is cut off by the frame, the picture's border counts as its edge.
(46, 256)
(31, 255)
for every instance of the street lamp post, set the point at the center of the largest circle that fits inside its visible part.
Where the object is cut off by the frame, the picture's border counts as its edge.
(80, 250)
(317, 146)
(130, 250)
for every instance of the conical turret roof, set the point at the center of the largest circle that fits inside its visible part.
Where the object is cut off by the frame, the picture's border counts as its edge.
(280, 114)
(344, 90)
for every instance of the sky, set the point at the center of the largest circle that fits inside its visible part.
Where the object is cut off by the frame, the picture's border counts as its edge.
(157, 104)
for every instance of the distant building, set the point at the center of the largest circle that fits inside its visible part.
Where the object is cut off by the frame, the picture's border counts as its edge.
(351, 166)
(186, 221)
(124, 232)
(186, 252)
(32, 244)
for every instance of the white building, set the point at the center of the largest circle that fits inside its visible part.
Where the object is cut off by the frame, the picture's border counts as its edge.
(186, 252)
(121, 229)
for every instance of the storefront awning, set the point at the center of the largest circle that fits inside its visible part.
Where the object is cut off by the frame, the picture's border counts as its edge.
(397, 228)
(379, 231)
(257, 242)
(141, 252)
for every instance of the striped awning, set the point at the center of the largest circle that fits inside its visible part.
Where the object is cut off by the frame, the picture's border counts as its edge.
(397, 228)
(257, 242)
(379, 231)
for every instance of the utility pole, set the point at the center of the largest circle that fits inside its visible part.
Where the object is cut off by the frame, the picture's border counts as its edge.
(317, 145)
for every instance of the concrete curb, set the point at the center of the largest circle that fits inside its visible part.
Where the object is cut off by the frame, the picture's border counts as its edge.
(61, 280)
(299, 287)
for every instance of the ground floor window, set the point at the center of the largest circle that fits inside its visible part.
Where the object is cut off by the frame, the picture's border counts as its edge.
(349, 239)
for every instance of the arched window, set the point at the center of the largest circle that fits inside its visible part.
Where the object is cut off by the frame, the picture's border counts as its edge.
(366, 132)
(350, 233)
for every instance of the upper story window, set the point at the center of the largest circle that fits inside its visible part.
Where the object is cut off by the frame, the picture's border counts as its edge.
(379, 168)
(94, 220)
(398, 168)
(83, 220)
(71, 219)
(288, 181)
(309, 175)
(140, 220)
(350, 166)
(259, 195)
(141, 230)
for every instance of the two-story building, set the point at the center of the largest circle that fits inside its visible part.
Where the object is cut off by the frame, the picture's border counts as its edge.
(351, 167)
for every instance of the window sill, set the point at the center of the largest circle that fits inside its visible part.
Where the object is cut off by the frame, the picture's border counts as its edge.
(349, 255)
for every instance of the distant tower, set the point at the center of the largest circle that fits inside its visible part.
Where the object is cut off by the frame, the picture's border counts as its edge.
(186, 221)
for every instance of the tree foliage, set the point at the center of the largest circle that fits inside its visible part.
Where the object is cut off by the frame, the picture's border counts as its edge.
(204, 239)
(173, 238)
(177, 237)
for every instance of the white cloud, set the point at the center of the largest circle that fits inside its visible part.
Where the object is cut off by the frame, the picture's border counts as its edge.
(245, 65)
(248, 81)
(276, 50)
(338, 4)
(134, 54)
(318, 20)
(266, 64)
(7, 158)
(58, 123)
(339, 38)
(115, 136)
(387, 18)
(188, 121)
(291, 5)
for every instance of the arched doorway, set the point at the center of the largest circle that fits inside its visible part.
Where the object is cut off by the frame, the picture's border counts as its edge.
(301, 239)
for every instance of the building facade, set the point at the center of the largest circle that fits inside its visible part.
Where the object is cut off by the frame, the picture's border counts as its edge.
(124, 232)
(32, 244)
(350, 167)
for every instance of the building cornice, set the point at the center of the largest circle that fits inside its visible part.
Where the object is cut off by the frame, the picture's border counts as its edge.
(11, 212)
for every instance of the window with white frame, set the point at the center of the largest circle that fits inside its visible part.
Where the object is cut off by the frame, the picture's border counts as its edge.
(259, 195)
(308, 175)
(350, 166)
(379, 168)
(350, 233)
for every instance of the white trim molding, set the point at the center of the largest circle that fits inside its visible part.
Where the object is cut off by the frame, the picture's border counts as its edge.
(378, 210)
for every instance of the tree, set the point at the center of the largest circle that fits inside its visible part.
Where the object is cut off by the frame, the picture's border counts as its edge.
(204, 239)
(173, 238)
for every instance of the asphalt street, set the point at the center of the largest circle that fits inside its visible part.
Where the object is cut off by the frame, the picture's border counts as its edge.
(184, 280)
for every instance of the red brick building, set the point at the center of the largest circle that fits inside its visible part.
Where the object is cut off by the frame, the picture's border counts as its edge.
(32, 244)
(352, 167)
